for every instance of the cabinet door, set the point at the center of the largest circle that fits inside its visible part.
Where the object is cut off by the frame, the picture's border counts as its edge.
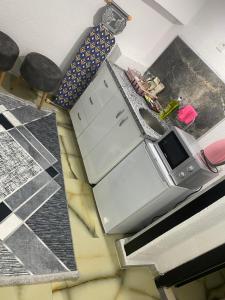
(78, 118)
(98, 93)
(104, 86)
(129, 187)
(90, 103)
(102, 124)
(121, 139)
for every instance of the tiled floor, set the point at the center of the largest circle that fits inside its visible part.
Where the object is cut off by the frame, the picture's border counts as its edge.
(100, 275)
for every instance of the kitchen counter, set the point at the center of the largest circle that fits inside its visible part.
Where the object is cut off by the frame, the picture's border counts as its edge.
(135, 102)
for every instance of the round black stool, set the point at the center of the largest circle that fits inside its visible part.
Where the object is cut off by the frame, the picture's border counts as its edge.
(9, 52)
(41, 74)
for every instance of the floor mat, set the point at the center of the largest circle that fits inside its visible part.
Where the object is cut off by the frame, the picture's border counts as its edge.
(35, 237)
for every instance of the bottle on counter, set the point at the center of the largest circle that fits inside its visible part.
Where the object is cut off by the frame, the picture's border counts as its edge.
(172, 106)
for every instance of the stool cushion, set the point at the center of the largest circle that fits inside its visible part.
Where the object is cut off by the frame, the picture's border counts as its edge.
(9, 52)
(40, 72)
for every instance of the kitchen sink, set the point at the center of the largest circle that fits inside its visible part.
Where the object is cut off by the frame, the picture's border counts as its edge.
(151, 121)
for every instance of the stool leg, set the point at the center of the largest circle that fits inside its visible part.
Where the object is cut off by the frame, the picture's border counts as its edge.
(43, 97)
(16, 82)
(2, 77)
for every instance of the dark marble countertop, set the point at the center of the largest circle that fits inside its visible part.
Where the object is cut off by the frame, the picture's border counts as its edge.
(135, 102)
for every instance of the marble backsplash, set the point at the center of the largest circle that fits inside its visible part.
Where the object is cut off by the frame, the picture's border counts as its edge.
(185, 74)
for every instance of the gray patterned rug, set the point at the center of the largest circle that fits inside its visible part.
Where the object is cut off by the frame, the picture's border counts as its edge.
(35, 236)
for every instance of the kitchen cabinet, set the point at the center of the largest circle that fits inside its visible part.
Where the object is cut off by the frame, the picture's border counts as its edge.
(136, 192)
(103, 123)
(119, 141)
(104, 86)
(98, 94)
(105, 128)
(128, 192)
(90, 103)
(78, 117)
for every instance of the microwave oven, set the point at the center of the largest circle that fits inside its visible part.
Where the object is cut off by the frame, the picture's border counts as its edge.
(181, 154)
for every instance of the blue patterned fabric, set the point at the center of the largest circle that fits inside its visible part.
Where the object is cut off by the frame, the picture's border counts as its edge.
(92, 53)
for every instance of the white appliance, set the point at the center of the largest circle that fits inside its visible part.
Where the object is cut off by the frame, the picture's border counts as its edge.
(181, 154)
(137, 191)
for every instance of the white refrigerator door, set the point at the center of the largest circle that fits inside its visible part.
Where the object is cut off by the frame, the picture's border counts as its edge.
(129, 187)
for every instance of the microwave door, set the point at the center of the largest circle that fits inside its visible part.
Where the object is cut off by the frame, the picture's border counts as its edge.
(172, 151)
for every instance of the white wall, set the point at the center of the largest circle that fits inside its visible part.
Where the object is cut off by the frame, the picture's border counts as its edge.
(145, 30)
(203, 34)
(52, 27)
(181, 10)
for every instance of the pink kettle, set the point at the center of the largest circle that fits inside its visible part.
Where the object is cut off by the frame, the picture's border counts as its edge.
(214, 154)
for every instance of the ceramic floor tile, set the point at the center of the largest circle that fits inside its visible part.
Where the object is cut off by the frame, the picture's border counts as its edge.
(69, 141)
(73, 167)
(130, 294)
(27, 190)
(9, 225)
(32, 139)
(141, 280)
(35, 256)
(99, 288)
(26, 292)
(95, 254)
(29, 148)
(37, 200)
(194, 291)
(63, 117)
(78, 187)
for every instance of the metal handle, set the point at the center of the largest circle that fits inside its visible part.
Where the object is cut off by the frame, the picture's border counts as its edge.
(106, 84)
(120, 113)
(123, 121)
(91, 101)
(79, 116)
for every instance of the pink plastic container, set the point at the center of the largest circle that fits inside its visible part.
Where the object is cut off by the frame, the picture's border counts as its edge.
(187, 114)
(215, 153)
